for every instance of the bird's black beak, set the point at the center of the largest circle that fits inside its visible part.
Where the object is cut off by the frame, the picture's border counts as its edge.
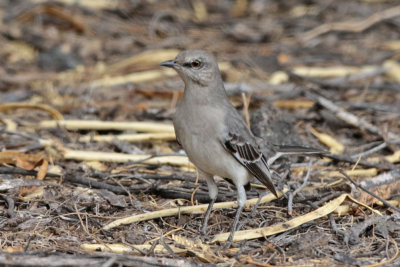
(168, 63)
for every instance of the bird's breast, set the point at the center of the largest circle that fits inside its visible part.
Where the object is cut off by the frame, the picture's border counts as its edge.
(200, 131)
(198, 128)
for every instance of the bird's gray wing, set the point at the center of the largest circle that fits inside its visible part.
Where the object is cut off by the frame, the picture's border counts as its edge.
(248, 154)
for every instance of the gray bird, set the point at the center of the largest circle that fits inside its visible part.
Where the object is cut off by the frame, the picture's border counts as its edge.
(213, 134)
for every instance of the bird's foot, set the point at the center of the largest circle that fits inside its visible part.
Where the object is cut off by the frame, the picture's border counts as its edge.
(228, 242)
(202, 230)
(203, 236)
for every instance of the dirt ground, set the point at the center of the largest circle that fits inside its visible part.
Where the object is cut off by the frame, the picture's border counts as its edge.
(91, 173)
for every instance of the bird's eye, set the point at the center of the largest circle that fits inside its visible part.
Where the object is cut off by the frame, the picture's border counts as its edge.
(196, 64)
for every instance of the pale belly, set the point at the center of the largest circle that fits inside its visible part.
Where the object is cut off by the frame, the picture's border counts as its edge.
(200, 141)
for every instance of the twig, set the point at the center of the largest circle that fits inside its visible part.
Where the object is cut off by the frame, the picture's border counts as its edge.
(28, 242)
(254, 210)
(381, 166)
(27, 136)
(12, 106)
(351, 118)
(336, 84)
(352, 26)
(25, 172)
(151, 250)
(146, 177)
(109, 262)
(95, 184)
(166, 246)
(133, 247)
(305, 179)
(126, 190)
(290, 203)
(327, 198)
(292, 195)
(384, 107)
(370, 151)
(86, 230)
(10, 205)
(387, 204)
(357, 229)
(335, 229)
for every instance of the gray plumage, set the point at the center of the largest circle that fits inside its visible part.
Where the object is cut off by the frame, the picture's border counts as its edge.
(212, 132)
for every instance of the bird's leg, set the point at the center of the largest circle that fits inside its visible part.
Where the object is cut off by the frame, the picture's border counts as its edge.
(207, 216)
(212, 192)
(254, 210)
(241, 199)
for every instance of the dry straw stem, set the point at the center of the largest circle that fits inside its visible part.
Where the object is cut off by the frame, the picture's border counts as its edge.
(9, 124)
(285, 226)
(354, 173)
(140, 126)
(200, 11)
(186, 210)
(334, 146)
(395, 157)
(278, 77)
(121, 248)
(82, 155)
(331, 72)
(142, 137)
(12, 106)
(98, 4)
(394, 70)
(352, 26)
(391, 45)
(294, 103)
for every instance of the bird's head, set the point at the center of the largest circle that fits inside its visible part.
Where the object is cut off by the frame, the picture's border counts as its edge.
(195, 66)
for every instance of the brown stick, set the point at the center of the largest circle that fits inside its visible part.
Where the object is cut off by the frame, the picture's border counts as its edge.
(387, 204)
(351, 118)
(352, 26)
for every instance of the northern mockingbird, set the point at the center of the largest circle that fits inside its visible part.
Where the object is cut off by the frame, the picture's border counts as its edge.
(213, 134)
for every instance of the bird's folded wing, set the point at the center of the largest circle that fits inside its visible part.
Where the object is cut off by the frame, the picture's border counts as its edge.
(251, 158)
